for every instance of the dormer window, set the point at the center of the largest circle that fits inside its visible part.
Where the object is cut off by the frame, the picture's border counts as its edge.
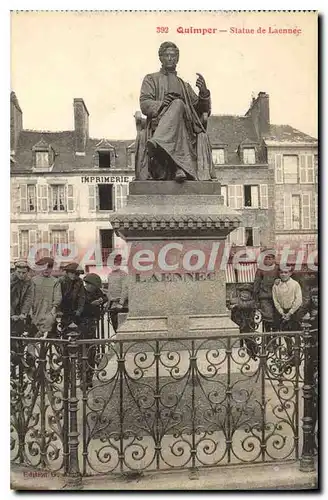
(249, 156)
(131, 156)
(41, 159)
(218, 155)
(104, 155)
(43, 155)
(104, 159)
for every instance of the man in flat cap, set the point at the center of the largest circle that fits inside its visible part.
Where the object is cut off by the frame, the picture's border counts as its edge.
(265, 277)
(47, 298)
(174, 144)
(21, 299)
(21, 296)
(73, 294)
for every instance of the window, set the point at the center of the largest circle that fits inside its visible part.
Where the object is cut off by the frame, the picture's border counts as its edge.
(218, 156)
(224, 193)
(41, 159)
(58, 237)
(106, 243)
(104, 159)
(24, 243)
(106, 199)
(295, 212)
(306, 169)
(251, 196)
(249, 156)
(278, 169)
(235, 195)
(27, 198)
(121, 195)
(290, 168)
(58, 202)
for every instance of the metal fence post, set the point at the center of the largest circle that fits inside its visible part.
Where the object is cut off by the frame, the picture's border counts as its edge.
(307, 458)
(74, 478)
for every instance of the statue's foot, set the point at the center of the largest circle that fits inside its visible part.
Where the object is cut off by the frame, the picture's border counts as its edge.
(180, 176)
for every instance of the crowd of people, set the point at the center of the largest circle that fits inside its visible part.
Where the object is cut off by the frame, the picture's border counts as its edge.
(278, 299)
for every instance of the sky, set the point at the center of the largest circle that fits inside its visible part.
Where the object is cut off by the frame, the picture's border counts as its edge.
(103, 57)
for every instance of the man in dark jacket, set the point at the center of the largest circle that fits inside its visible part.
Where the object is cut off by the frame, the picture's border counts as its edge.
(95, 298)
(73, 294)
(21, 300)
(21, 297)
(262, 291)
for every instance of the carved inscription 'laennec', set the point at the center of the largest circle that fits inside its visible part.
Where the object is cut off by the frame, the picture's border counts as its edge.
(175, 277)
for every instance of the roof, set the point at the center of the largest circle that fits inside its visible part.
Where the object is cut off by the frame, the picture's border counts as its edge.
(286, 133)
(63, 144)
(231, 131)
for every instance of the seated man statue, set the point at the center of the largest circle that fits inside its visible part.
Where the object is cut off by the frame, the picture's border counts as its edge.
(173, 144)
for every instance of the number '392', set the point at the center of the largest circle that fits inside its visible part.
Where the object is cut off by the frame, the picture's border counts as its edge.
(162, 29)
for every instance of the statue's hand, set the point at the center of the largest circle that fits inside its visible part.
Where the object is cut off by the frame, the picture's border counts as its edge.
(201, 84)
(168, 98)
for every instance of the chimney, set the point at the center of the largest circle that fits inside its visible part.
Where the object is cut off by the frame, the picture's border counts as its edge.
(16, 121)
(81, 125)
(260, 113)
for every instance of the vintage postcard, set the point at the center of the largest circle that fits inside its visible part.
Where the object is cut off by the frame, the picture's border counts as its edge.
(164, 263)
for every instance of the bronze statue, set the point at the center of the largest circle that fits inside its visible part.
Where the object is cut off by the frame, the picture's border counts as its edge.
(172, 143)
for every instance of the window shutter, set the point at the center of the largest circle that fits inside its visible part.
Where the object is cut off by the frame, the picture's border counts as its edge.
(303, 176)
(117, 196)
(71, 236)
(232, 197)
(306, 211)
(14, 244)
(255, 196)
(15, 199)
(42, 198)
(264, 196)
(278, 169)
(224, 194)
(287, 211)
(240, 236)
(256, 237)
(92, 198)
(315, 211)
(310, 169)
(239, 196)
(32, 238)
(23, 197)
(70, 198)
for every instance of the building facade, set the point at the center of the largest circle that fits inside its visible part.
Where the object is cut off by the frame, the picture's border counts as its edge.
(64, 185)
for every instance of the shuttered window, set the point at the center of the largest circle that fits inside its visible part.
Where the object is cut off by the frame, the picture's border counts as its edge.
(264, 200)
(278, 169)
(236, 198)
(306, 169)
(287, 211)
(224, 193)
(306, 210)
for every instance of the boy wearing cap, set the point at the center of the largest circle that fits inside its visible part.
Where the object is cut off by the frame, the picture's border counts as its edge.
(243, 313)
(73, 294)
(94, 300)
(47, 298)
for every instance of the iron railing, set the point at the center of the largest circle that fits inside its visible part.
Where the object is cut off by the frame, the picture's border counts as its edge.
(85, 407)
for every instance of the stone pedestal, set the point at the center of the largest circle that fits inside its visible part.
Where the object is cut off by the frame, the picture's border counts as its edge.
(176, 234)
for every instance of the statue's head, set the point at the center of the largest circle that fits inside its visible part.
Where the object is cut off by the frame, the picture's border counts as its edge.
(168, 55)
